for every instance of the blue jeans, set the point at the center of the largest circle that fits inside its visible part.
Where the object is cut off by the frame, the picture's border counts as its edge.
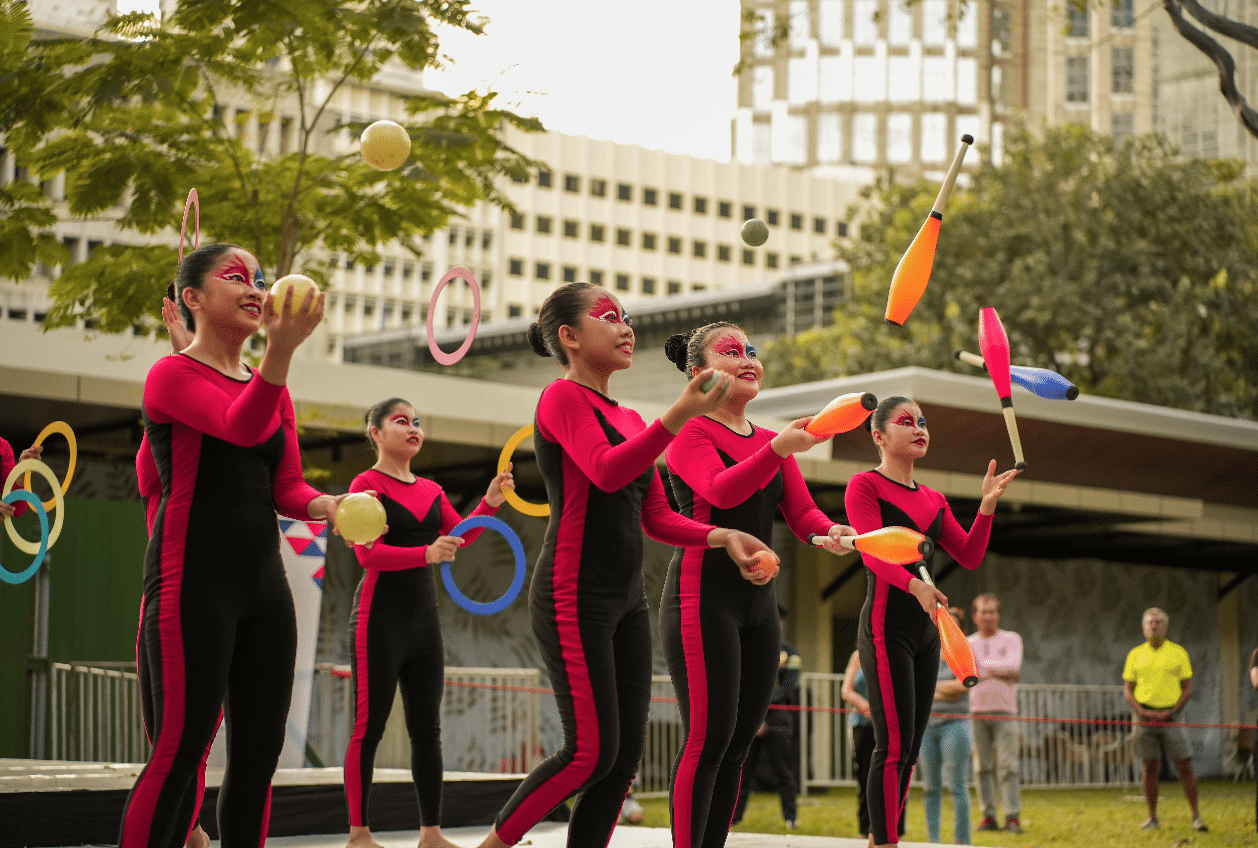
(946, 753)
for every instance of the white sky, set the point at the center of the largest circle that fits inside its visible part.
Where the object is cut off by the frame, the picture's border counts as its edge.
(656, 73)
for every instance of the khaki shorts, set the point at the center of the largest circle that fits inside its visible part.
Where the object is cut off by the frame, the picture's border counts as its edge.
(1148, 742)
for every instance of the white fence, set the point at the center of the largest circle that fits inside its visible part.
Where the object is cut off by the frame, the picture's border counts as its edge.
(492, 722)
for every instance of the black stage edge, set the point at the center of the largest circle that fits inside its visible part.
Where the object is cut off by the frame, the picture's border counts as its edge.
(54, 819)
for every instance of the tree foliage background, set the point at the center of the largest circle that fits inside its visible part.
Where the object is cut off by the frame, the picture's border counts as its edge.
(1131, 273)
(148, 109)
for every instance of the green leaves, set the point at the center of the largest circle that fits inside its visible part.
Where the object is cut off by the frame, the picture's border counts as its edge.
(1119, 266)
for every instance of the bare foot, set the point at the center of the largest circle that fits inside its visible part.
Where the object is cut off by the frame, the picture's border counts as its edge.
(198, 838)
(431, 837)
(360, 837)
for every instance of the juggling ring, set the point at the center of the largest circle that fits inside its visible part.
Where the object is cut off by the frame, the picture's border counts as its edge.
(193, 201)
(437, 353)
(16, 577)
(491, 607)
(520, 504)
(64, 429)
(50, 539)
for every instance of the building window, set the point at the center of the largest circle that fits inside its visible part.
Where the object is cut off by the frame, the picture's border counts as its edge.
(1122, 126)
(749, 257)
(597, 232)
(453, 238)
(571, 182)
(674, 200)
(1122, 14)
(819, 226)
(622, 282)
(624, 191)
(723, 252)
(543, 223)
(674, 244)
(596, 277)
(598, 188)
(701, 206)
(517, 221)
(1123, 65)
(797, 221)
(770, 260)
(544, 178)
(514, 310)
(650, 197)
(1077, 22)
(773, 217)
(569, 274)
(516, 267)
(674, 287)
(486, 241)
(700, 249)
(749, 212)
(840, 229)
(1077, 79)
(542, 271)
(571, 229)
(624, 237)
(648, 285)
(518, 178)
(795, 260)
(725, 209)
(648, 241)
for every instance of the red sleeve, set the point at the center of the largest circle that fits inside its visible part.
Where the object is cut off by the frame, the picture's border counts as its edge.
(290, 490)
(177, 389)
(664, 525)
(7, 462)
(148, 481)
(801, 512)
(450, 517)
(863, 514)
(966, 548)
(693, 457)
(565, 415)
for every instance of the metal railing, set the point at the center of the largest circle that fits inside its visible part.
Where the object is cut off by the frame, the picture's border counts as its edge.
(94, 713)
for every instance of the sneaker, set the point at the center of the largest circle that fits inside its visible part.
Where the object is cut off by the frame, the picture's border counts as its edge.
(1198, 824)
(988, 823)
(1149, 824)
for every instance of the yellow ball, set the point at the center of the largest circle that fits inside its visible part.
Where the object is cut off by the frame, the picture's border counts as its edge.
(301, 285)
(360, 518)
(755, 233)
(385, 145)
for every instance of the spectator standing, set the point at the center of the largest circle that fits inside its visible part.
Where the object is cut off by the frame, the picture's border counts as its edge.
(1158, 682)
(993, 706)
(945, 753)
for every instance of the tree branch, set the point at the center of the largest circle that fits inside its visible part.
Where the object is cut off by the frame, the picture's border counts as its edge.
(1216, 52)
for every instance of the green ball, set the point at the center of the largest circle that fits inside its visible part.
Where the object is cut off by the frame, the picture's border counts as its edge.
(755, 233)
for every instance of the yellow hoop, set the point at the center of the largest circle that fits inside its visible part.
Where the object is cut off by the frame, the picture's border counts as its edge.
(64, 429)
(520, 504)
(40, 468)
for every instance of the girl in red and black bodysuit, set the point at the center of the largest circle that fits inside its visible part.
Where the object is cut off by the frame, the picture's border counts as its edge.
(219, 626)
(395, 625)
(587, 600)
(721, 634)
(897, 638)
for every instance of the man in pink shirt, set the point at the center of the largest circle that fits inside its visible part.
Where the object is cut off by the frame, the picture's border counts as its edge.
(993, 704)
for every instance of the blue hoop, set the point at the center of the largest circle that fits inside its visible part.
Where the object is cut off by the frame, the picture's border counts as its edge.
(22, 576)
(476, 607)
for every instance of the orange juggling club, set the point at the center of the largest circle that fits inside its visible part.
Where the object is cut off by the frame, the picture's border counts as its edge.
(993, 343)
(908, 283)
(893, 544)
(953, 645)
(845, 412)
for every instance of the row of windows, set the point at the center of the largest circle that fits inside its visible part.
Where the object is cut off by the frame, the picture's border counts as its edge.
(1122, 16)
(1122, 75)
(545, 270)
(545, 225)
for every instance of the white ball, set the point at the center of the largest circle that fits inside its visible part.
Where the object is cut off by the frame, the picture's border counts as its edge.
(385, 145)
(301, 286)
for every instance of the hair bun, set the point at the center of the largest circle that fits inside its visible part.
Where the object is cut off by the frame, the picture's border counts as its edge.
(675, 350)
(535, 340)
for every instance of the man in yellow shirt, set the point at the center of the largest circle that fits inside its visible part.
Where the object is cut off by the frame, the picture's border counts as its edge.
(1158, 677)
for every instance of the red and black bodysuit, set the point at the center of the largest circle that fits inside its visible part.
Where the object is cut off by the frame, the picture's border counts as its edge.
(588, 605)
(397, 639)
(219, 629)
(897, 640)
(721, 633)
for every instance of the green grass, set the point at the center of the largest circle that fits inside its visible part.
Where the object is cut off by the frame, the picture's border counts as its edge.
(1051, 818)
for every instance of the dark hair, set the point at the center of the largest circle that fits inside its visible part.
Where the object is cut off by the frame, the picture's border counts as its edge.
(882, 413)
(191, 275)
(564, 307)
(685, 350)
(376, 415)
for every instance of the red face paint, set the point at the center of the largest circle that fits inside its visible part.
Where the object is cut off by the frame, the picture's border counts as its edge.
(906, 419)
(605, 309)
(403, 421)
(731, 346)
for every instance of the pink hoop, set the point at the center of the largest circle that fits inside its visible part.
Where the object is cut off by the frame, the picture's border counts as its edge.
(437, 353)
(194, 202)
